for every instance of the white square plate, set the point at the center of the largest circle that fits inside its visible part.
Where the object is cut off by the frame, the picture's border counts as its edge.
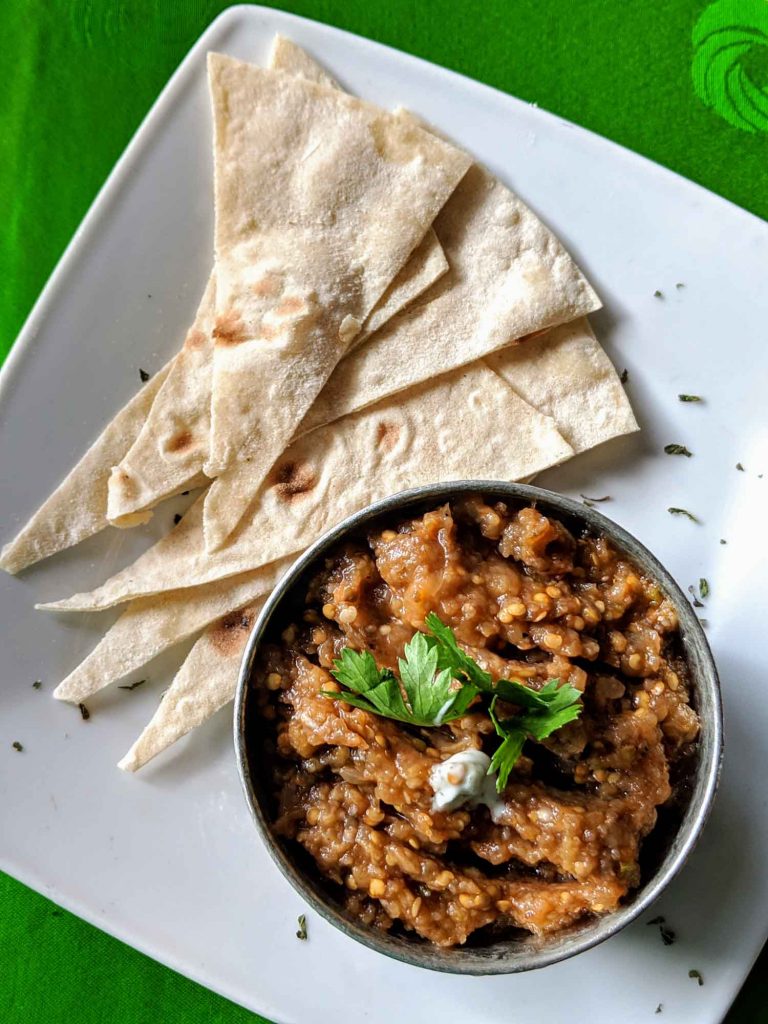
(168, 860)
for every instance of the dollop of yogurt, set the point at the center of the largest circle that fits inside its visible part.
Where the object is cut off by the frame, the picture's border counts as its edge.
(463, 779)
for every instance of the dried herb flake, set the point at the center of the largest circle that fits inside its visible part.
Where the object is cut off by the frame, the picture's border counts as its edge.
(658, 1008)
(722, 541)
(703, 588)
(85, 714)
(690, 398)
(624, 375)
(658, 295)
(693, 973)
(683, 512)
(17, 746)
(679, 285)
(740, 467)
(302, 932)
(696, 602)
(36, 685)
(143, 375)
(677, 449)
(177, 519)
(667, 935)
(132, 686)
(606, 497)
(657, 920)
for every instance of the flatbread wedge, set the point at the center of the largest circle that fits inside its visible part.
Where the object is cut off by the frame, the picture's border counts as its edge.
(566, 375)
(205, 683)
(151, 625)
(78, 507)
(509, 278)
(172, 448)
(303, 253)
(467, 424)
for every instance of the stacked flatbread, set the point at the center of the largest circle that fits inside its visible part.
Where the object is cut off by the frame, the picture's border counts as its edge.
(381, 313)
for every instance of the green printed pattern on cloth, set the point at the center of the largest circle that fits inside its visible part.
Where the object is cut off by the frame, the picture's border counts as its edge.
(730, 62)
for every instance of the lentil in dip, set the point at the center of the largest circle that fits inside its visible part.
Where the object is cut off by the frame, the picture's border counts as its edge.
(529, 601)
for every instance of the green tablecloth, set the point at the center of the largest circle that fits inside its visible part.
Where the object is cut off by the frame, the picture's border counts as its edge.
(684, 82)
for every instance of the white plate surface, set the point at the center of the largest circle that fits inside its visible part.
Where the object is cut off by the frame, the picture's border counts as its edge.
(168, 860)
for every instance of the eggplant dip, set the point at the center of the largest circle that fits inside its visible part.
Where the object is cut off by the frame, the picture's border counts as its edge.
(474, 722)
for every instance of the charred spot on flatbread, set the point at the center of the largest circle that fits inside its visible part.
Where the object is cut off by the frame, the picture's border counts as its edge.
(290, 305)
(292, 479)
(194, 340)
(267, 286)
(181, 442)
(387, 435)
(230, 330)
(228, 638)
(123, 480)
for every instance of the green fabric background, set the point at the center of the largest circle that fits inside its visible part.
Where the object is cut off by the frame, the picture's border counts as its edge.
(77, 78)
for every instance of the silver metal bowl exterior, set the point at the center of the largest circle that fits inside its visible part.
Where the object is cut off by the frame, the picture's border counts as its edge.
(513, 955)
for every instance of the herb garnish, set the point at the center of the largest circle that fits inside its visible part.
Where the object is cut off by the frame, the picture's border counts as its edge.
(696, 602)
(684, 512)
(740, 467)
(679, 285)
(177, 519)
(143, 375)
(17, 746)
(624, 375)
(562, 707)
(703, 588)
(427, 694)
(690, 398)
(658, 1008)
(667, 935)
(85, 714)
(36, 685)
(693, 973)
(723, 541)
(594, 501)
(658, 295)
(132, 686)
(302, 932)
(677, 449)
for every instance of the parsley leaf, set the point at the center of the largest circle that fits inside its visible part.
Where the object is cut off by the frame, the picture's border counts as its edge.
(432, 697)
(466, 669)
(438, 682)
(561, 705)
(684, 512)
(507, 753)
(677, 449)
(451, 657)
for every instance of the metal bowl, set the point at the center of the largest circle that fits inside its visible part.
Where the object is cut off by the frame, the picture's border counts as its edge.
(663, 853)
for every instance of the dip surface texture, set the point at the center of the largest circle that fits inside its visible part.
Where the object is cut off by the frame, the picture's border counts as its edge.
(531, 602)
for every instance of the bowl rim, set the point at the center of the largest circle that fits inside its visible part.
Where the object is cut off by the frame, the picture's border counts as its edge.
(706, 776)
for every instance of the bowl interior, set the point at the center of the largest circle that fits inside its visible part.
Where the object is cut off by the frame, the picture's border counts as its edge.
(663, 852)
